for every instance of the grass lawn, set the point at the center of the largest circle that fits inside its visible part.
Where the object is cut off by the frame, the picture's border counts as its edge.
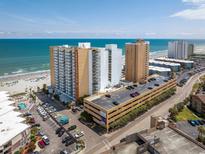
(186, 114)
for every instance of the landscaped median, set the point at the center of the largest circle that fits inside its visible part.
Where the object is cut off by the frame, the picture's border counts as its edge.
(141, 109)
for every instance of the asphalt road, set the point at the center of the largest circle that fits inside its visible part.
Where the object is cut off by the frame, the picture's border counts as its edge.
(143, 122)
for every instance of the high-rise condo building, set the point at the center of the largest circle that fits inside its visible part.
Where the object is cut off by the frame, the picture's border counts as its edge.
(137, 61)
(84, 70)
(190, 49)
(180, 49)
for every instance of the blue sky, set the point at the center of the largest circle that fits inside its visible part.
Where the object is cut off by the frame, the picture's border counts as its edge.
(103, 18)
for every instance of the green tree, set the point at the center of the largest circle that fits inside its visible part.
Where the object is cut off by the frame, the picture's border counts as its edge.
(86, 116)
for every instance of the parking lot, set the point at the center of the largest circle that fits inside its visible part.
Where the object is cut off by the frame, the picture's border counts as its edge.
(188, 128)
(48, 128)
(90, 137)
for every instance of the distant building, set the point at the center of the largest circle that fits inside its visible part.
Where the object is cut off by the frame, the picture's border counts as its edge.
(186, 64)
(175, 67)
(190, 50)
(84, 70)
(163, 71)
(180, 49)
(137, 61)
(198, 103)
(14, 133)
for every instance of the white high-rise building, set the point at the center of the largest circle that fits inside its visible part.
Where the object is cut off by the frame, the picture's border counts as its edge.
(84, 70)
(179, 50)
(114, 64)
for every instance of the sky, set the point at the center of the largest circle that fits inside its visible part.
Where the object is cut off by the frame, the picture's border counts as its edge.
(102, 19)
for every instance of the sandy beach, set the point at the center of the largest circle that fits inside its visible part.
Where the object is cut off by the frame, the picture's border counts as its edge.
(18, 83)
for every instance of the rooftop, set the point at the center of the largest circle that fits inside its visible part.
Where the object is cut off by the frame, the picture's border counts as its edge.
(175, 60)
(201, 97)
(164, 63)
(10, 121)
(86, 45)
(161, 69)
(123, 95)
(139, 41)
(172, 142)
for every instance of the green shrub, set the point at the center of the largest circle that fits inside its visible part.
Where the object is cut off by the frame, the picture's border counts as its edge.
(17, 152)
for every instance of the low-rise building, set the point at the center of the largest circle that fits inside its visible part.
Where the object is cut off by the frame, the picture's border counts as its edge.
(186, 64)
(198, 103)
(107, 108)
(14, 133)
(175, 67)
(162, 71)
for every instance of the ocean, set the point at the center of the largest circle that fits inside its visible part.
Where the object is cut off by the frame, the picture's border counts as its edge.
(30, 55)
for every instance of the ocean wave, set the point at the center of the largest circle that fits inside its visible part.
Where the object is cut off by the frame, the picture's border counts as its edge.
(6, 75)
(158, 51)
(19, 71)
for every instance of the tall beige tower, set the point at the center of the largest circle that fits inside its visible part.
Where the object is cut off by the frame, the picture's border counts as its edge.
(137, 61)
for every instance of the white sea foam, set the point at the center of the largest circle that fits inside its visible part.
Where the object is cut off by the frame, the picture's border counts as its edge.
(19, 71)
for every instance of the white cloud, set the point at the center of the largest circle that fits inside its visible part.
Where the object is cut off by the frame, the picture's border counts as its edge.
(197, 12)
(194, 1)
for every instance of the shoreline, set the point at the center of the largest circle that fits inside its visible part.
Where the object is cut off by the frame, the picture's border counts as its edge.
(19, 83)
(24, 75)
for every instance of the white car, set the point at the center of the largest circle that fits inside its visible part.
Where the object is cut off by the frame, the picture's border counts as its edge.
(45, 139)
(79, 134)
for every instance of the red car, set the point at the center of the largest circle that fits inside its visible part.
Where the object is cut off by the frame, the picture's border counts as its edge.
(41, 144)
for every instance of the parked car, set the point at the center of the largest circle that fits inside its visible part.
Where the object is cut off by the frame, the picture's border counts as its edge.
(58, 130)
(69, 142)
(46, 140)
(196, 122)
(79, 134)
(74, 110)
(64, 152)
(200, 122)
(203, 121)
(27, 114)
(45, 117)
(35, 125)
(78, 108)
(66, 138)
(192, 122)
(61, 133)
(40, 133)
(72, 127)
(41, 144)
